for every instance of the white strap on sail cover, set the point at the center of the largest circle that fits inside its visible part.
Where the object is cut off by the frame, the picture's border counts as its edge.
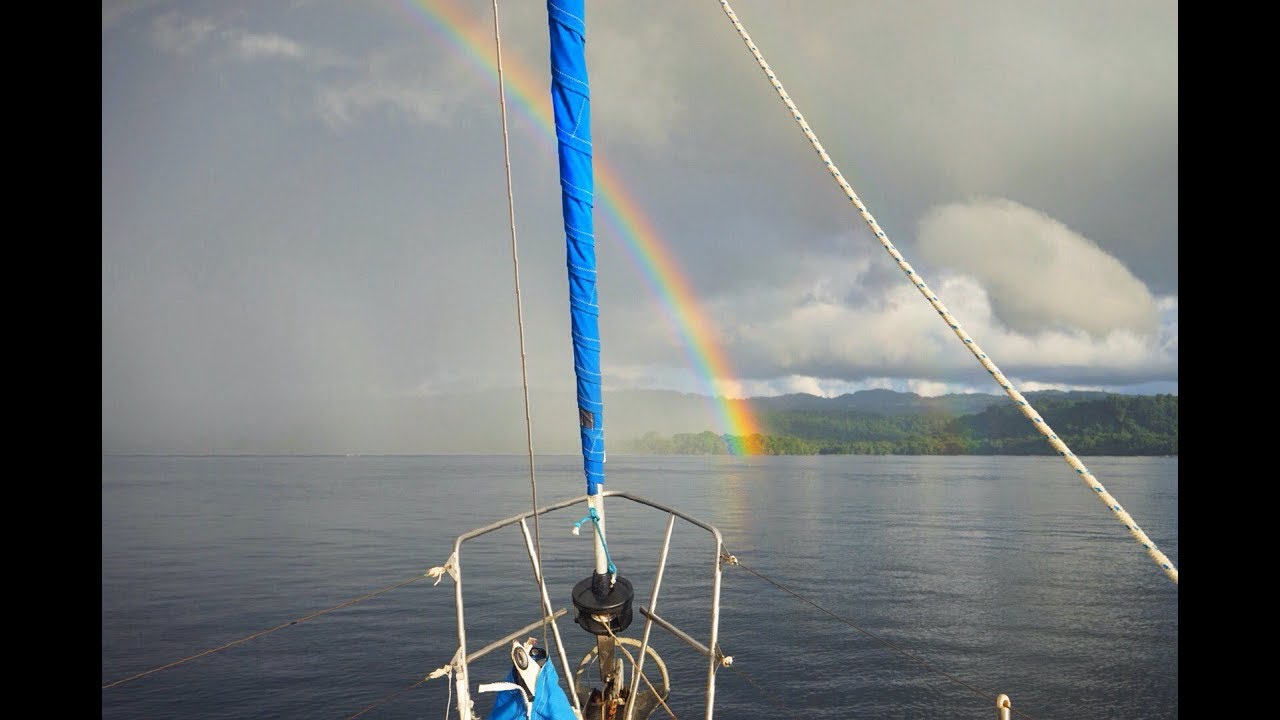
(501, 686)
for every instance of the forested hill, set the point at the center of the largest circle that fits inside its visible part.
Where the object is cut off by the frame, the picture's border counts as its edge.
(883, 422)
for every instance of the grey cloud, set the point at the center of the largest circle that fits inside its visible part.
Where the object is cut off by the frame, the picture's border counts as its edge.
(291, 243)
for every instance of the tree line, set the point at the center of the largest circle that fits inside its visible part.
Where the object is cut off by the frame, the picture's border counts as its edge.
(1112, 425)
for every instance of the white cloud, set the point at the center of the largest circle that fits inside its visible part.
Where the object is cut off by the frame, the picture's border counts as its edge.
(933, 388)
(178, 35)
(1169, 324)
(898, 336)
(1037, 271)
(174, 33)
(114, 11)
(821, 387)
(343, 105)
(250, 46)
(798, 384)
(386, 86)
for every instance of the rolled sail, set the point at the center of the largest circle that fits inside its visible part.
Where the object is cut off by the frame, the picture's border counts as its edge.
(571, 104)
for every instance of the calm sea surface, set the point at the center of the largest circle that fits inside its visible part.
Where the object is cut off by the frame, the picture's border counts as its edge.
(1003, 572)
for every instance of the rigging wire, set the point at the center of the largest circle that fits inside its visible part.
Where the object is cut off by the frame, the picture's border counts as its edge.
(260, 633)
(1112, 504)
(447, 670)
(763, 692)
(515, 267)
(733, 560)
(400, 692)
(618, 645)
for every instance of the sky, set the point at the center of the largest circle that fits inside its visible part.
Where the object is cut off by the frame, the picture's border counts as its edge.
(305, 214)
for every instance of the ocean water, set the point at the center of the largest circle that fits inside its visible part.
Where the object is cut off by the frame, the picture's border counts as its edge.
(962, 577)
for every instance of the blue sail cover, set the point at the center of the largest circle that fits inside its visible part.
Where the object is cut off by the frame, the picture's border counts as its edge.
(571, 104)
(549, 701)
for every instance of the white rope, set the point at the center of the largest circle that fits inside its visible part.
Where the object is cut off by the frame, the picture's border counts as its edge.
(1023, 405)
(515, 267)
(449, 700)
(450, 566)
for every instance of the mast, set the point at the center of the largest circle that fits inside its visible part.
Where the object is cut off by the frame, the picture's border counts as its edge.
(603, 601)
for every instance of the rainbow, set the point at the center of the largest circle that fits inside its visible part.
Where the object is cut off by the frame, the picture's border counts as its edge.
(621, 211)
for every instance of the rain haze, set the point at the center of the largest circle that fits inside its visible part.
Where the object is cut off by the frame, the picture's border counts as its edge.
(306, 242)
